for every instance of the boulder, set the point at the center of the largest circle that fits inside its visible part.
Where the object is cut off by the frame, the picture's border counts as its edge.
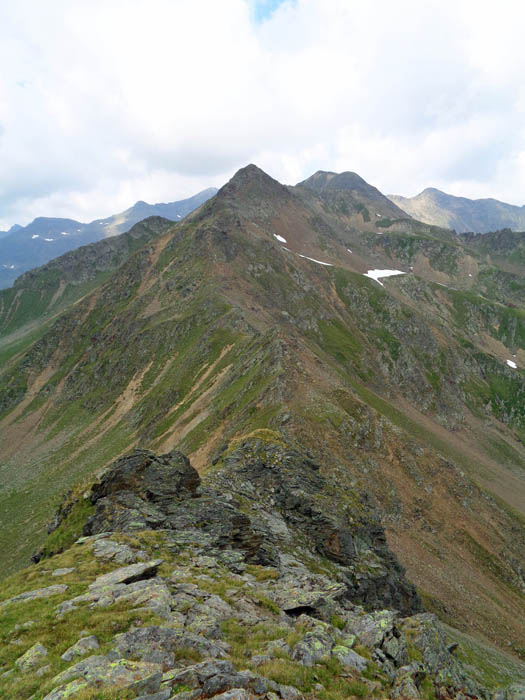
(104, 670)
(160, 645)
(312, 647)
(349, 659)
(82, 647)
(32, 658)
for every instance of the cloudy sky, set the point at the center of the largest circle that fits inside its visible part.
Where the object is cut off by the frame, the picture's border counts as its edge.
(104, 102)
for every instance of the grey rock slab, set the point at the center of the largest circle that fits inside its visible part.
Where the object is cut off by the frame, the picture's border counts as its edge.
(62, 572)
(160, 644)
(128, 574)
(349, 659)
(234, 694)
(111, 550)
(101, 670)
(32, 658)
(66, 691)
(83, 646)
(289, 692)
(56, 589)
(312, 648)
(161, 695)
(371, 629)
(290, 596)
(196, 675)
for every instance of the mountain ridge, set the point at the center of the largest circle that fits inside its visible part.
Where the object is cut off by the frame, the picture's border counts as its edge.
(462, 214)
(25, 247)
(216, 330)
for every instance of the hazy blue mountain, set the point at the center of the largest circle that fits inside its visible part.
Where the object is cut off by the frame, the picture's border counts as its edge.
(461, 214)
(25, 247)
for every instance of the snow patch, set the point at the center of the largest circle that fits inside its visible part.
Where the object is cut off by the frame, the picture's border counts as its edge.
(35, 235)
(512, 364)
(280, 238)
(376, 274)
(319, 262)
(378, 214)
(348, 249)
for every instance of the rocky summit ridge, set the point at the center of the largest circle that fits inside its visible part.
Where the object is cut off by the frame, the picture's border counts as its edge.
(237, 586)
(252, 393)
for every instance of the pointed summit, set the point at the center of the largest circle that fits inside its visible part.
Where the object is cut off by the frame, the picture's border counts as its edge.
(251, 180)
(252, 192)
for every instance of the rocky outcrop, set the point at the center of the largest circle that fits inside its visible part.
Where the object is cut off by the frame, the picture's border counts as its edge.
(265, 566)
(262, 499)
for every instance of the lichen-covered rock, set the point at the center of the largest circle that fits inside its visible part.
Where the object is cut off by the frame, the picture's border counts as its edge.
(151, 593)
(32, 658)
(56, 589)
(110, 550)
(67, 690)
(83, 646)
(406, 682)
(372, 628)
(124, 673)
(424, 632)
(349, 658)
(313, 647)
(160, 644)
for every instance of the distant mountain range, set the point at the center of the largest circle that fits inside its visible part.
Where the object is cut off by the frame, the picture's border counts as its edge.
(461, 214)
(25, 247)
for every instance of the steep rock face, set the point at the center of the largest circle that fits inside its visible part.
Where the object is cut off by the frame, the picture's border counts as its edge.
(137, 491)
(263, 499)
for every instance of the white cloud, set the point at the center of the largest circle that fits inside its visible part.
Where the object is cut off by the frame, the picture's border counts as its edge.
(106, 102)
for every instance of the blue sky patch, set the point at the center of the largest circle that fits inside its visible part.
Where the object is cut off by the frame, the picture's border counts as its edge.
(265, 8)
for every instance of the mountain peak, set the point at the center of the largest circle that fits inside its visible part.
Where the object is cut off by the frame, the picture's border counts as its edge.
(431, 191)
(251, 173)
(251, 182)
(354, 188)
(326, 180)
